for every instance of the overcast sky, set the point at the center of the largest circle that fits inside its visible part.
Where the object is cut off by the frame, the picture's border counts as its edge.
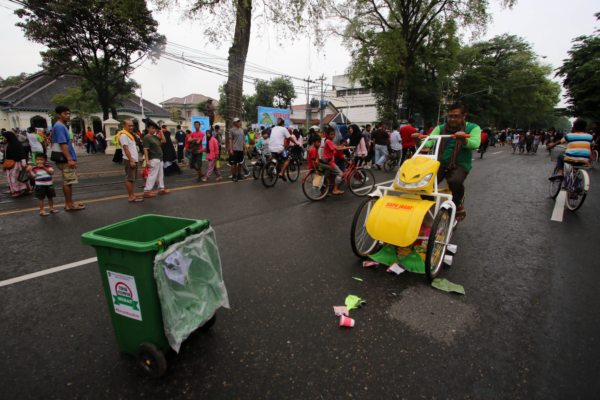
(549, 25)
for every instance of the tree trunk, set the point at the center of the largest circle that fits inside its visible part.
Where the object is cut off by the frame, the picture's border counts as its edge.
(113, 111)
(237, 62)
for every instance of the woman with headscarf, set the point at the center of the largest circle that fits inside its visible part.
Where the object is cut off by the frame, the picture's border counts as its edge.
(357, 140)
(14, 162)
(169, 155)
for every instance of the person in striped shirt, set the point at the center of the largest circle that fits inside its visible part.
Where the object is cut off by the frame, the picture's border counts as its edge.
(44, 186)
(578, 150)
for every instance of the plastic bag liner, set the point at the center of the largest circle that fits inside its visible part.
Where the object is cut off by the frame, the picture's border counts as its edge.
(190, 285)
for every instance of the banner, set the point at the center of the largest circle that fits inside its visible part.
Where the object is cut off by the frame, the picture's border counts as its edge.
(267, 116)
(204, 123)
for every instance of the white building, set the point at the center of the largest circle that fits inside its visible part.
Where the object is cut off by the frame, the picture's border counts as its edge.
(355, 101)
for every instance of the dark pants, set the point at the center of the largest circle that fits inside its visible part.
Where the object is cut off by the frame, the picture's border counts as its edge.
(407, 152)
(455, 179)
(180, 153)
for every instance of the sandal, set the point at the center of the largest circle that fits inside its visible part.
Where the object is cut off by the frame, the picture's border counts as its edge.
(53, 211)
(44, 213)
(76, 207)
(461, 214)
(136, 200)
(163, 191)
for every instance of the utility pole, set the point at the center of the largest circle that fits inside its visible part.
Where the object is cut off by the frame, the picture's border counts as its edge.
(321, 108)
(308, 112)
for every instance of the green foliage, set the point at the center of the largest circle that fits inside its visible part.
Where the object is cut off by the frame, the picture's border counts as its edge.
(581, 76)
(202, 106)
(13, 80)
(522, 95)
(395, 36)
(284, 92)
(99, 40)
(82, 101)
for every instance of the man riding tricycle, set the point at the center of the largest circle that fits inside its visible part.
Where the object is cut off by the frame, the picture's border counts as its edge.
(412, 220)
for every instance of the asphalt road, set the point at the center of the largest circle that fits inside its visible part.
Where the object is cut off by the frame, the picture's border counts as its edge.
(527, 328)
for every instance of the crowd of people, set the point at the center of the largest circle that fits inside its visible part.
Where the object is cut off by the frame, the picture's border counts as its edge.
(157, 152)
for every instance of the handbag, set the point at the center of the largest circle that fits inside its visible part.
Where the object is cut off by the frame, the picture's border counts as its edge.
(8, 164)
(23, 176)
(57, 155)
(145, 172)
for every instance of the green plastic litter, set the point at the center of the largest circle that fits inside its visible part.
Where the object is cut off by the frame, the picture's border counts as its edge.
(411, 262)
(353, 302)
(447, 286)
(357, 279)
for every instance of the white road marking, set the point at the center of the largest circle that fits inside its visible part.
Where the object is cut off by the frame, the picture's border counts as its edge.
(497, 152)
(559, 207)
(48, 271)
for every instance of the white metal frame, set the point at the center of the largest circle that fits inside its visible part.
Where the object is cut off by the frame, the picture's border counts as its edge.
(442, 200)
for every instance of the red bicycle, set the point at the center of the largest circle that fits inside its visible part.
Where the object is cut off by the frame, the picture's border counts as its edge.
(316, 185)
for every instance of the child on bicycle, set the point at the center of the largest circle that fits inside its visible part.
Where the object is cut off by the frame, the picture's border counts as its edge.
(330, 150)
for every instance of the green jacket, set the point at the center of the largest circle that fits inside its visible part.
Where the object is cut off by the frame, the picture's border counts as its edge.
(465, 156)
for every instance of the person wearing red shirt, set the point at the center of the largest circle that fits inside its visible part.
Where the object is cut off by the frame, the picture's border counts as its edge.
(329, 153)
(408, 141)
(194, 146)
(313, 154)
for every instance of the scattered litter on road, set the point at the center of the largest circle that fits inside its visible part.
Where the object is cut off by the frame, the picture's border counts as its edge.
(353, 302)
(412, 261)
(368, 264)
(447, 286)
(396, 269)
(340, 310)
(358, 279)
(347, 322)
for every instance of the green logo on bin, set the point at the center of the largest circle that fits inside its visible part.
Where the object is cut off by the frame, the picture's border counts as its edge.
(125, 297)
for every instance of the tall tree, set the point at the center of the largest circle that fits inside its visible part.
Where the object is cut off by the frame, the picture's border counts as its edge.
(291, 15)
(100, 40)
(581, 76)
(278, 92)
(408, 23)
(521, 92)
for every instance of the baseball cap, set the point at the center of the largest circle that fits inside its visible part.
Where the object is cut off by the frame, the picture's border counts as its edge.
(236, 120)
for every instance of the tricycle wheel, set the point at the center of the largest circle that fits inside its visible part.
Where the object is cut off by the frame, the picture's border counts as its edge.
(437, 243)
(151, 360)
(362, 243)
(209, 323)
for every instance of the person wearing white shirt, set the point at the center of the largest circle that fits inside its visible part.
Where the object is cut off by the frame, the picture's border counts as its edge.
(277, 145)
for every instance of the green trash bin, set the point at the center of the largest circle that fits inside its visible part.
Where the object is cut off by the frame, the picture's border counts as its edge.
(126, 251)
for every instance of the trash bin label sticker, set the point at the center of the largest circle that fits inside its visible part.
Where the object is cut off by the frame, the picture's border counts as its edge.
(124, 295)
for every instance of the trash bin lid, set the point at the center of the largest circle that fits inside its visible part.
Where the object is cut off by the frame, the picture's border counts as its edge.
(149, 232)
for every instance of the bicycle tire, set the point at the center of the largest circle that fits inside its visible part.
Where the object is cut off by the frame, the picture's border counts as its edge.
(578, 188)
(293, 171)
(315, 193)
(361, 182)
(256, 169)
(434, 266)
(268, 174)
(358, 228)
(555, 185)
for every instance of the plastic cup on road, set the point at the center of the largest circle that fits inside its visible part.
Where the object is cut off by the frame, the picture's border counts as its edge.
(347, 322)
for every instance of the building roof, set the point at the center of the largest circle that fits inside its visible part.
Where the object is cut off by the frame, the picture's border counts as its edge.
(190, 99)
(37, 91)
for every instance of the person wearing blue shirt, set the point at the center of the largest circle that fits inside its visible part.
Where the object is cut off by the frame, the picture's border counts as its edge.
(62, 138)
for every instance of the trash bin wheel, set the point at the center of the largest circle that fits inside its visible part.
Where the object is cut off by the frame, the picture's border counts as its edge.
(209, 323)
(151, 360)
